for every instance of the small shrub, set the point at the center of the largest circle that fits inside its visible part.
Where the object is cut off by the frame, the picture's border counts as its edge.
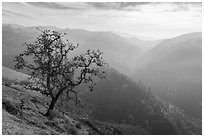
(73, 131)
(11, 107)
(7, 82)
(24, 83)
(78, 125)
(16, 82)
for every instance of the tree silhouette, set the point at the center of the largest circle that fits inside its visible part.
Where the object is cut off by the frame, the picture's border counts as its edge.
(53, 71)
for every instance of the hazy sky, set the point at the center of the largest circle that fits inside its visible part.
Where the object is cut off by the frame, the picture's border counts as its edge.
(151, 20)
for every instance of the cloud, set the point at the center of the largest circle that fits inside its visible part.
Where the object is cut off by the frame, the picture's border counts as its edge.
(185, 6)
(138, 6)
(11, 13)
(50, 5)
(105, 5)
(124, 5)
(116, 5)
(158, 20)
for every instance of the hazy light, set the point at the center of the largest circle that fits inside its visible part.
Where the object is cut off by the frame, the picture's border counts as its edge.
(155, 20)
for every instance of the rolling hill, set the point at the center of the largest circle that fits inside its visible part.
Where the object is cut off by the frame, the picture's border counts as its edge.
(143, 45)
(173, 70)
(118, 52)
(117, 100)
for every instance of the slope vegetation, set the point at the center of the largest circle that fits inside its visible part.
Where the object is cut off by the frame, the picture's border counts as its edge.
(173, 70)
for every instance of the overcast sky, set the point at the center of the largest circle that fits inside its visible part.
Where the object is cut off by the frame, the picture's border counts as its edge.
(146, 20)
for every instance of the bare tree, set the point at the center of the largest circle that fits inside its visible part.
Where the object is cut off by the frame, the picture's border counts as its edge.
(54, 70)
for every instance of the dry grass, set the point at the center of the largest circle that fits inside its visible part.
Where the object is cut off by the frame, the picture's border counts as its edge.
(23, 115)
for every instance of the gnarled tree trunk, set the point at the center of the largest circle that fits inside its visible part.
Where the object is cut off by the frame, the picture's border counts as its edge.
(54, 101)
(51, 106)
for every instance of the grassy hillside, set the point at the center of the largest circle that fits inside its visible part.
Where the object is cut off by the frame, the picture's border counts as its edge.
(124, 110)
(23, 114)
(13, 75)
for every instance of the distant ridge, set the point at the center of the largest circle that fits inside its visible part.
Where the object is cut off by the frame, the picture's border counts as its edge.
(173, 69)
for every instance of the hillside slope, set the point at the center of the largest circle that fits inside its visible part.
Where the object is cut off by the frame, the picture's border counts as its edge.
(173, 70)
(142, 44)
(136, 110)
(13, 75)
(23, 111)
(120, 99)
